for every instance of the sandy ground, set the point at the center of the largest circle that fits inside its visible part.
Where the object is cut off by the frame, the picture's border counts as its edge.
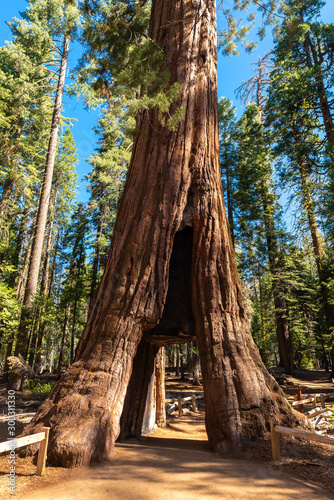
(176, 463)
(162, 470)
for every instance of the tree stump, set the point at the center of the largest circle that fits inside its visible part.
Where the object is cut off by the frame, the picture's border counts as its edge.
(18, 373)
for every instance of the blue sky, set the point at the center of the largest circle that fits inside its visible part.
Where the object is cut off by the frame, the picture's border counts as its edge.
(231, 72)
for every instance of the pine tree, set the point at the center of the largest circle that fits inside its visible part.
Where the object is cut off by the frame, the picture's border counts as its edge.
(295, 125)
(228, 155)
(61, 20)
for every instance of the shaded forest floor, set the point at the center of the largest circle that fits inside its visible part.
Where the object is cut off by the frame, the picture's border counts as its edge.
(176, 462)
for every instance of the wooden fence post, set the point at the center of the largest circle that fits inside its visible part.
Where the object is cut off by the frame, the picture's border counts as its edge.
(43, 447)
(193, 402)
(314, 402)
(299, 397)
(180, 405)
(275, 444)
(322, 401)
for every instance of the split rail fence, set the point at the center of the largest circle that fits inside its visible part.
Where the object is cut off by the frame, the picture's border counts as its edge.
(177, 403)
(276, 430)
(40, 437)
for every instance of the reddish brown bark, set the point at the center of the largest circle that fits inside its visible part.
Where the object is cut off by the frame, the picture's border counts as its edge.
(173, 181)
(133, 415)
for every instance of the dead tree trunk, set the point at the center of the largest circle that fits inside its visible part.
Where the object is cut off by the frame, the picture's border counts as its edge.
(173, 181)
(160, 388)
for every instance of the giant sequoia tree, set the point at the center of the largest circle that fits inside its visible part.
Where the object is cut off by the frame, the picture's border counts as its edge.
(171, 251)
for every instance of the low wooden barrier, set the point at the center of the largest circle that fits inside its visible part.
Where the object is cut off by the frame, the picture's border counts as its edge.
(41, 437)
(179, 402)
(183, 400)
(276, 430)
(321, 397)
(318, 412)
(300, 402)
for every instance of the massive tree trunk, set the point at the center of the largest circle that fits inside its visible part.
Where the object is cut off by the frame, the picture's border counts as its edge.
(173, 181)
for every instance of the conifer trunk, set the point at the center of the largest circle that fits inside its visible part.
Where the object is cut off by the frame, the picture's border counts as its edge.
(313, 62)
(275, 266)
(160, 388)
(318, 254)
(172, 175)
(43, 207)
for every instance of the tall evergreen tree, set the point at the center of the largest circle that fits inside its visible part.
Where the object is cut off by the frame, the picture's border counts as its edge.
(292, 115)
(60, 20)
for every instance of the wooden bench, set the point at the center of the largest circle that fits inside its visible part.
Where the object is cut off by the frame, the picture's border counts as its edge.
(41, 437)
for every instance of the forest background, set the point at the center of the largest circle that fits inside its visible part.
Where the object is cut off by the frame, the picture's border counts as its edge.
(279, 204)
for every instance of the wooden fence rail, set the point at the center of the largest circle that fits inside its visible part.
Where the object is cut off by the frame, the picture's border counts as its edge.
(177, 403)
(318, 412)
(313, 399)
(276, 430)
(41, 437)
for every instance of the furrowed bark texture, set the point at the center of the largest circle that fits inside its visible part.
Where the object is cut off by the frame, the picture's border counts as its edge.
(173, 181)
(137, 391)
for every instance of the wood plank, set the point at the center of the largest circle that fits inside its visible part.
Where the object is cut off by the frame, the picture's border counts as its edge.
(302, 401)
(42, 453)
(275, 444)
(304, 434)
(180, 406)
(23, 441)
(318, 412)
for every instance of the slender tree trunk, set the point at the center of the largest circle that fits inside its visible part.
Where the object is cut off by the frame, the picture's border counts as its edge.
(74, 317)
(20, 243)
(40, 323)
(281, 314)
(160, 361)
(5, 201)
(196, 368)
(63, 338)
(177, 362)
(312, 61)
(171, 172)
(96, 261)
(318, 254)
(275, 265)
(22, 271)
(43, 207)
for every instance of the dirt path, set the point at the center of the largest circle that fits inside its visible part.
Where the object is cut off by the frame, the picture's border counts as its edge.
(176, 464)
(173, 464)
(177, 470)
